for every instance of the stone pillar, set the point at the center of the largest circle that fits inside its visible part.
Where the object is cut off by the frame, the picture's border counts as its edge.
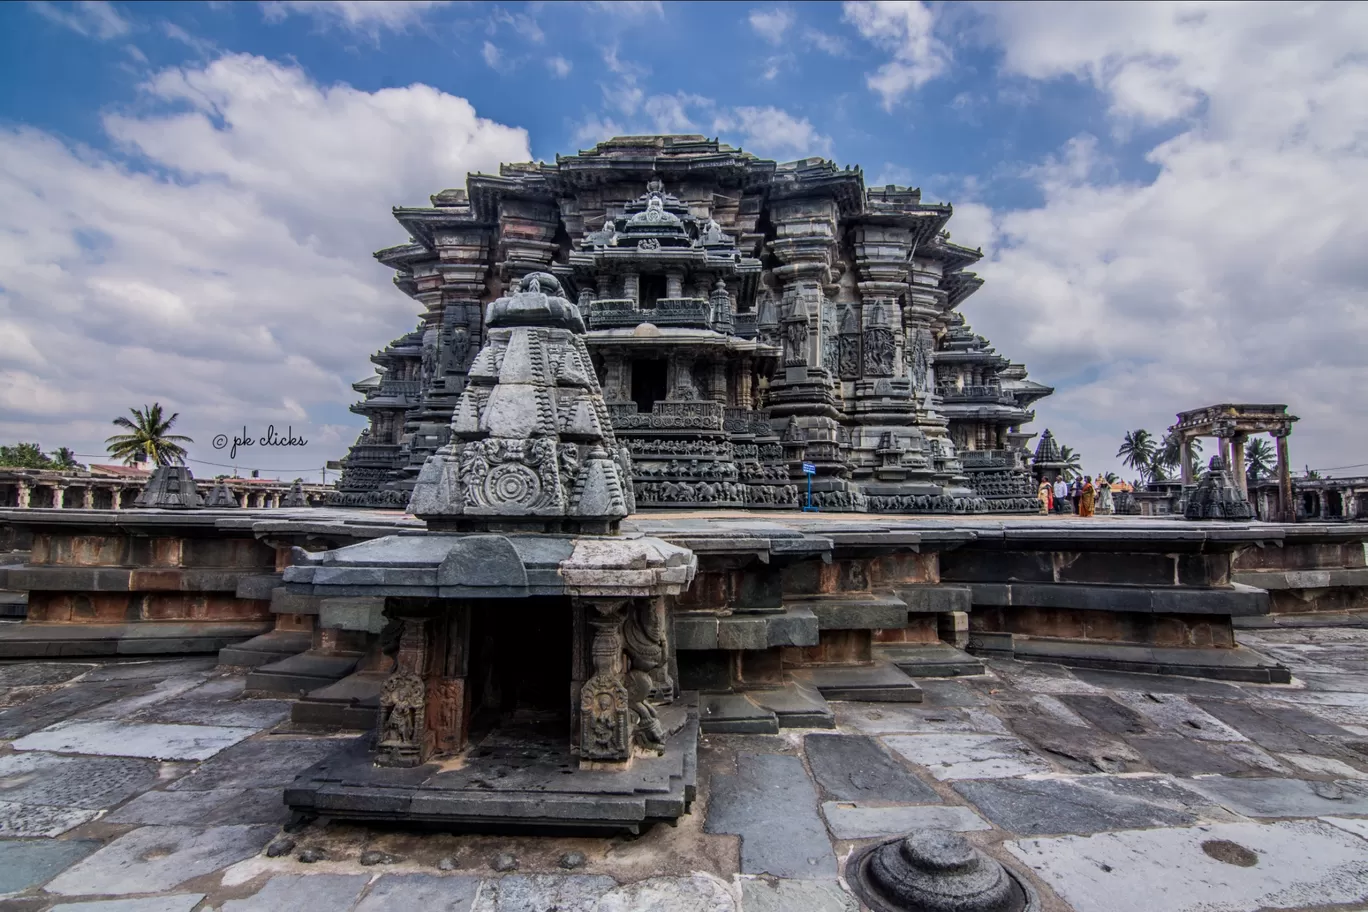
(631, 287)
(58, 493)
(244, 499)
(275, 499)
(674, 284)
(1286, 507)
(1324, 499)
(613, 388)
(115, 496)
(88, 498)
(23, 494)
(605, 714)
(1237, 464)
(1185, 458)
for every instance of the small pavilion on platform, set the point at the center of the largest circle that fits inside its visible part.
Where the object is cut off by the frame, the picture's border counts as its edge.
(1231, 424)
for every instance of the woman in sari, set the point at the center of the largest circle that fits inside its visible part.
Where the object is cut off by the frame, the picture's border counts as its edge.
(1045, 494)
(1086, 499)
(1104, 497)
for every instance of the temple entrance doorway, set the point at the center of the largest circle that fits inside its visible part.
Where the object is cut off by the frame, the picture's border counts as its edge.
(1334, 505)
(520, 667)
(652, 289)
(649, 382)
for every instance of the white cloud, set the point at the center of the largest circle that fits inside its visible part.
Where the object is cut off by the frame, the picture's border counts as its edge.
(772, 131)
(903, 28)
(772, 23)
(1237, 272)
(91, 18)
(628, 9)
(559, 66)
(492, 55)
(369, 16)
(233, 280)
(827, 44)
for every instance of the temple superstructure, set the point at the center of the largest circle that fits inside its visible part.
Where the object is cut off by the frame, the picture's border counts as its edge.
(744, 318)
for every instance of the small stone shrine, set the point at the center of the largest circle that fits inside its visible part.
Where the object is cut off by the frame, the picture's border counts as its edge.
(171, 487)
(533, 684)
(743, 318)
(221, 498)
(1217, 496)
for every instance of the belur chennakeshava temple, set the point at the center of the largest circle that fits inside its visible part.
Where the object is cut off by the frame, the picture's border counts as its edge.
(743, 317)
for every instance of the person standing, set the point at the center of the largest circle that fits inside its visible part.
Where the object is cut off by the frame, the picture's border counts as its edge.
(1045, 495)
(1087, 497)
(1105, 505)
(1061, 495)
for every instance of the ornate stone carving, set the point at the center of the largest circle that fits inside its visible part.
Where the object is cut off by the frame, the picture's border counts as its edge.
(918, 358)
(400, 729)
(169, 488)
(879, 348)
(605, 713)
(649, 677)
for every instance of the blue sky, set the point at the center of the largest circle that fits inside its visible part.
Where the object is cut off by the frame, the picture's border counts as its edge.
(1169, 195)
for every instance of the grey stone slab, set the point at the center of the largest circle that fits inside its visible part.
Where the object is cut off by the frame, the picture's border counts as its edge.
(37, 674)
(892, 718)
(1080, 749)
(736, 714)
(26, 863)
(1154, 683)
(1296, 864)
(180, 902)
(158, 669)
(770, 803)
(39, 819)
(124, 708)
(240, 713)
(939, 692)
(1106, 713)
(1037, 806)
(535, 892)
(1283, 797)
(696, 893)
(207, 808)
(419, 893)
(303, 893)
(936, 660)
(1172, 713)
(134, 739)
(969, 756)
(857, 768)
(48, 709)
(789, 895)
(273, 761)
(872, 683)
(1187, 757)
(90, 783)
(156, 859)
(796, 706)
(851, 821)
(1278, 727)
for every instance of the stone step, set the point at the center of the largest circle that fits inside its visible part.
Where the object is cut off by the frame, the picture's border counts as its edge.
(351, 703)
(269, 647)
(931, 660)
(735, 714)
(1309, 619)
(878, 683)
(13, 604)
(1228, 664)
(796, 705)
(300, 674)
(28, 640)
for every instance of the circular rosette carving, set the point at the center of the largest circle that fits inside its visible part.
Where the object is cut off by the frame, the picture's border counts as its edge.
(512, 484)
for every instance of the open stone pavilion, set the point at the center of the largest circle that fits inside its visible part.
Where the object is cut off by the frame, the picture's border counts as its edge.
(593, 656)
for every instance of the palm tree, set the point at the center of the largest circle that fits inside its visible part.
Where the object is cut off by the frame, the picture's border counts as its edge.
(1169, 455)
(1073, 466)
(148, 438)
(1259, 459)
(1137, 451)
(64, 458)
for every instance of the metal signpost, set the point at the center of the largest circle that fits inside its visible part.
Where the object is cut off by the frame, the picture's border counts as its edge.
(809, 470)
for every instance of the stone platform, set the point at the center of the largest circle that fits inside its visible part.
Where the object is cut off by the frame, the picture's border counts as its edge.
(158, 784)
(519, 778)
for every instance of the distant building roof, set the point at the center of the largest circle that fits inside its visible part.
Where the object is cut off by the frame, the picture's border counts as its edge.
(120, 471)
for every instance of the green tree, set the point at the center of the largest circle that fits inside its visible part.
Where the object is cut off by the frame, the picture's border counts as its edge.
(24, 456)
(1169, 457)
(1259, 459)
(147, 438)
(1137, 451)
(1073, 464)
(64, 458)
(1311, 474)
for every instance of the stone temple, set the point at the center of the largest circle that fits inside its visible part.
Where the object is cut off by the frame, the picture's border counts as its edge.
(743, 318)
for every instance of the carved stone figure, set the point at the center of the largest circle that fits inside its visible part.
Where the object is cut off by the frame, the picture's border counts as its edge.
(605, 714)
(879, 348)
(400, 728)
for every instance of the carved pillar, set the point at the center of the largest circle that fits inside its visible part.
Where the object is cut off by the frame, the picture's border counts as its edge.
(613, 388)
(448, 694)
(1237, 464)
(58, 492)
(402, 724)
(674, 284)
(631, 287)
(605, 714)
(718, 381)
(275, 499)
(23, 494)
(1286, 508)
(115, 495)
(1185, 460)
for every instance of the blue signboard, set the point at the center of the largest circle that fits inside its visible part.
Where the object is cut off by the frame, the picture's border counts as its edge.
(809, 469)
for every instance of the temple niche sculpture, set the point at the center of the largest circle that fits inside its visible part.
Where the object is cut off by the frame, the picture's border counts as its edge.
(743, 318)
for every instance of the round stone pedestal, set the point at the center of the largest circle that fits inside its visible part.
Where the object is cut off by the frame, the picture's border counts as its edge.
(936, 871)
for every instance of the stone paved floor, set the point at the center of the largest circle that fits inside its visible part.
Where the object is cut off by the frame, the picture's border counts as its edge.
(156, 786)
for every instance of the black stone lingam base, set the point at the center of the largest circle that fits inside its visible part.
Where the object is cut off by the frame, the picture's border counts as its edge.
(521, 777)
(935, 871)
